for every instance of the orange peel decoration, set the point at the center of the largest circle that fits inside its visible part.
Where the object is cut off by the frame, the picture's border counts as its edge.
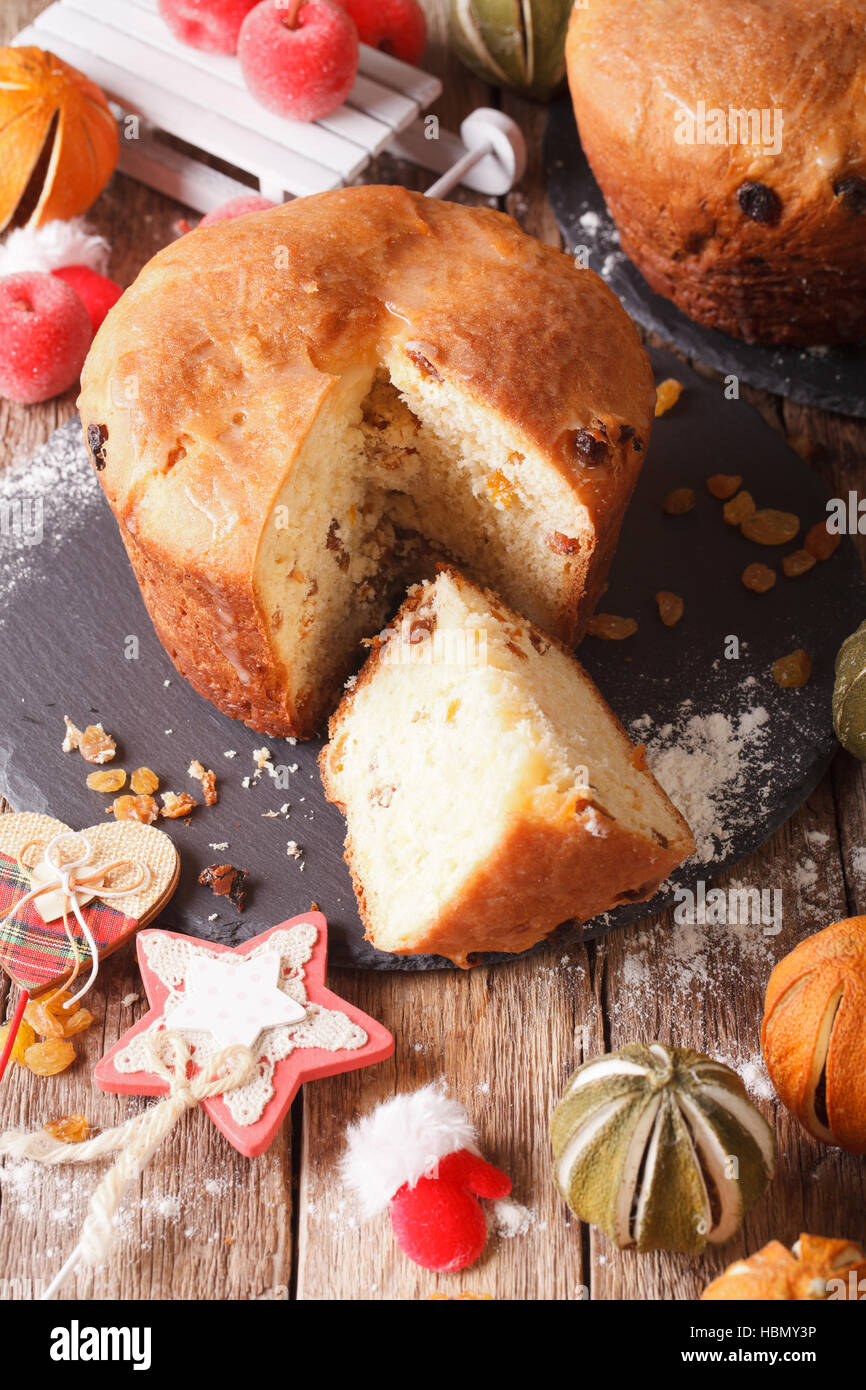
(58, 139)
(814, 1033)
(817, 1269)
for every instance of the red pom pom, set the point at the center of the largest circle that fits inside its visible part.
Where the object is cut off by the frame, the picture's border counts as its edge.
(398, 27)
(237, 207)
(439, 1222)
(299, 60)
(45, 334)
(211, 25)
(96, 292)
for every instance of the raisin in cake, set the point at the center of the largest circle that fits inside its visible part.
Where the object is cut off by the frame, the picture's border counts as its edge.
(297, 413)
(490, 793)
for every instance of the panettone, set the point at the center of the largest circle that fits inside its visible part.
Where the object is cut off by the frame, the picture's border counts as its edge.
(296, 413)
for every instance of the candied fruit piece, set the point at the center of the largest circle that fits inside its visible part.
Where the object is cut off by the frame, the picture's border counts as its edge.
(770, 527)
(140, 808)
(69, 1129)
(670, 607)
(680, 501)
(668, 393)
(759, 578)
(792, 671)
(208, 781)
(820, 542)
(739, 507)
(797, 563)
(143, 781)
(49, 1057)
(611, 627)
(106, 781)
(96, 745)
(24, 1038)
(501, 490)
(226, 881)
(723, 485)
(177, 804)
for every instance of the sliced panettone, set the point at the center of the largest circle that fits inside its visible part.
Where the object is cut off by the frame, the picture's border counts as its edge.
(490, 793)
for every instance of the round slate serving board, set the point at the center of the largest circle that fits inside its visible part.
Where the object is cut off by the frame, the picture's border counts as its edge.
(76, 639)
(832, 378)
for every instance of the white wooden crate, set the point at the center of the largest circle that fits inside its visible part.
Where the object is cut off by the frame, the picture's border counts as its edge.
(200, 98)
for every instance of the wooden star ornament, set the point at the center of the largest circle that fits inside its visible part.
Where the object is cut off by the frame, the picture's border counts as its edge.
(268, 994)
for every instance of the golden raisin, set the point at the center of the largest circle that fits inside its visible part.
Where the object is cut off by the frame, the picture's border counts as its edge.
(69, 1129)
(739, 507)
(49, 1057)
(96, 745)
(143, 781)
(24, 1038)
(790, 672)
(820, 542)
(140, 808)
(723, 485)
(177, 804)
(759, 578)
(610, 627)
(106, 781)
(42, 1020)
(77, 1022)
(668, 393)
(500, 489)
(770, 527)
(798, 562)
(670, 607)
(680, 501)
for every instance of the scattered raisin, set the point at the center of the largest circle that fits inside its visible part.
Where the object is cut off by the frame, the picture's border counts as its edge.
(423, 364)
(177, 804)
(97, 437)
(24, 1038)
(78, 1022)
(69, 1129)
(680, 501)
(106, 781)
(143, 782)
(96, 745)
(627, 432)
(820, 542)
(793, 671)
(670, 607)
(759, 202)
(759, 578)
(770, 527)
(43, 1021)
(562, 545)
(226, 882)
(49, 1057)
(610, 627)
(739, 508)
(590, 449)
(723, 485)
(852, 191)
(797, 563)
(668, 393)
(140, 808)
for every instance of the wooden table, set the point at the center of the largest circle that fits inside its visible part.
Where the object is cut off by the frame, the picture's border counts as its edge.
(207, 1224)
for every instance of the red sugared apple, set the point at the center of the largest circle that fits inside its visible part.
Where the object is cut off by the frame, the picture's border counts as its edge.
(397, 27)
(44, 336)
(237, 207)
(299, 57)
(212, 25)
(97, 293)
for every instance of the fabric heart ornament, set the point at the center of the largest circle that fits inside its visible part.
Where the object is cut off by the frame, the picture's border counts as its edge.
(121, 874)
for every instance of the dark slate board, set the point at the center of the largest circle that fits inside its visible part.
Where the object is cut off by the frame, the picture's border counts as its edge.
(831, 378)
(69, 605)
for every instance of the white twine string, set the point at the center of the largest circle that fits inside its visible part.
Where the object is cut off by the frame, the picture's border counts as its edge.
(136, 1139)
(69, 880)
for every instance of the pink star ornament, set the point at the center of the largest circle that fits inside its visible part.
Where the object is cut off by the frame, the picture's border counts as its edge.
(231, 996)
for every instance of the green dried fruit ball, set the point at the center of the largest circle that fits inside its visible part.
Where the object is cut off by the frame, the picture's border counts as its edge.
(849, 693)
(661, 1148)
(512, 43)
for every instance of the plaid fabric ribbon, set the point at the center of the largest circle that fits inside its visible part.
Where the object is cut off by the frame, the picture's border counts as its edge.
(34, 952)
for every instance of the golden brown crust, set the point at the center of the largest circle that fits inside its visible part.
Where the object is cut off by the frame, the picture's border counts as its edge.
(635, 65)
(210, 371)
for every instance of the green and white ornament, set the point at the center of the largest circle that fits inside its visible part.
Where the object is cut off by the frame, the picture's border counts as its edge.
(512, 43)
(849, 693)
(661, 1148)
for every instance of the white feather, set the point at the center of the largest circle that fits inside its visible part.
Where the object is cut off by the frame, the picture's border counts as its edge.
(53, 246)
(401, 1141)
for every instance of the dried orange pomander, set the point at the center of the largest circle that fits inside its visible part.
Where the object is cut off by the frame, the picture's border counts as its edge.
(816, 1270)
(58, 139)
